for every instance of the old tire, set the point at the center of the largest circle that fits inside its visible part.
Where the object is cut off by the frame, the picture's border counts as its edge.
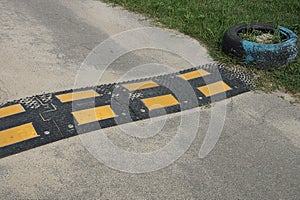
(264, 56)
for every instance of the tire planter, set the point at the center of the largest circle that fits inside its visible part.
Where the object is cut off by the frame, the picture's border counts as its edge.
(264, 56)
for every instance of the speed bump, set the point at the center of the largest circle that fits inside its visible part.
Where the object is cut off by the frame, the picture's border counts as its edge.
(73, 96)
(93, 114)
(41, 119)
(17, 134)
(194, 74)
(214, 88)
(140, 85)
(11, 110)
(160, 102)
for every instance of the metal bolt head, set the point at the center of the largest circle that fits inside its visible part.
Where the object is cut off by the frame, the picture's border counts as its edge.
(70, 126)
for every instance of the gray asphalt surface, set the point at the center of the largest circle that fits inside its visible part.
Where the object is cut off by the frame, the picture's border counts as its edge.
(43, 44)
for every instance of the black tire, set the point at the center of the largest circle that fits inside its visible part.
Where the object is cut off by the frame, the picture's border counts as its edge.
(263, 56)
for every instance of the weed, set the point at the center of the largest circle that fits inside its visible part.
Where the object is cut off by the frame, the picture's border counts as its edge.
(263, 37)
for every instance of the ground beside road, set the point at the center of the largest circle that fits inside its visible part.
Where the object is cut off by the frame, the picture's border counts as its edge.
(207, 22)
(43, 44)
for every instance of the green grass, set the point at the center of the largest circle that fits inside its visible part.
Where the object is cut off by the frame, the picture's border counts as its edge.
(207, 21)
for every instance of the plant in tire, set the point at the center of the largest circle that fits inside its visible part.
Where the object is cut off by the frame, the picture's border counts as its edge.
(263, 46)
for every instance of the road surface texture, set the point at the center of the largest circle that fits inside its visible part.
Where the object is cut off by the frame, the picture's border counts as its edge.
(43, 44)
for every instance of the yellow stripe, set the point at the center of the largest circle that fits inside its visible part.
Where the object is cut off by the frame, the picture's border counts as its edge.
(214, 88)
(77, 96)
(11, 110)
(160, 101)
(17, 134)
(93, 114)
(140, 85)
(194, 74)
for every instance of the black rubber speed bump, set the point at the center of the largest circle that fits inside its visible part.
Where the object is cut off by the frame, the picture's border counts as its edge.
(34, 121)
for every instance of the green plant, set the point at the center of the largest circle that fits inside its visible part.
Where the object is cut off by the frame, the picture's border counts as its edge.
(264, 37)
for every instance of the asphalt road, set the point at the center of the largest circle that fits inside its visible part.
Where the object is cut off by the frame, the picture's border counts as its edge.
(43, 44)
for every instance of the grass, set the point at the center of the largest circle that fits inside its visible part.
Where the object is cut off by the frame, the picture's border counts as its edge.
(207, 21)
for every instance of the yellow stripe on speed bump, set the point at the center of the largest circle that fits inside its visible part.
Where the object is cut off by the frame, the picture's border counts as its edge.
(93, 114)
(140, 85)
(73, 96)
(194, 74)
(17, 134)
(11, 110)
(214, 88)
(160, 101)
